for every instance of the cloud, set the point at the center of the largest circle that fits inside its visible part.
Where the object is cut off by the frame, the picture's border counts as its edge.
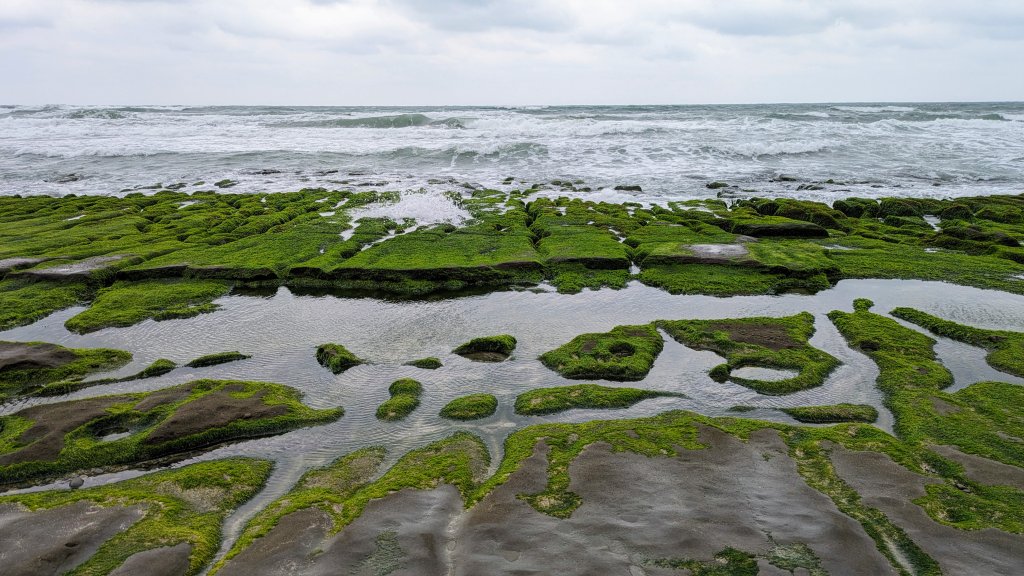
(507, 52)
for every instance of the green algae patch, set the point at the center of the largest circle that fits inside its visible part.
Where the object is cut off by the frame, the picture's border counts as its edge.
(429, 363)
(776, 343)
(23, 302)
(183, 506)
(833, 414)
(128, 303)
(41, 368)
(561, 398)
(129, 429)
(326, 489)
(405, 397)
(1005, 348)
(336, 358)
(217, 358)
(488, 348)
(471, 407)
(626, 353)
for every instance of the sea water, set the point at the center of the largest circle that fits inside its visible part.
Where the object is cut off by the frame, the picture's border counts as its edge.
(814, 151)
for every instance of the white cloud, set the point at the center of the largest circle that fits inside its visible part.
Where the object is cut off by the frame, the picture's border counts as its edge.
(507, 52)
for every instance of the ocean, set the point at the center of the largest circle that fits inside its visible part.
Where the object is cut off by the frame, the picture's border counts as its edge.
(815, 151)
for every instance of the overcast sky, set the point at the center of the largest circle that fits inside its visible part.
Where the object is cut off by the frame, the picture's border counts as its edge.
(438, 52)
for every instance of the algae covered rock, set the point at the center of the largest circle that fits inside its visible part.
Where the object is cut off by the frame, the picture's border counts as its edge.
(833, 414)
(561, 398)
(41, 368)
(217, 358)
(336, 358)
(626, 353)
(472, 407)
(774, 343)
(46, 440)
(429, 363)
(166, 522)
(488, 348)
(405, 397)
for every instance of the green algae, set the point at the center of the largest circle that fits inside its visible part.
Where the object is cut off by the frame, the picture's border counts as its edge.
(833, 414)
(68, 366)
(561, 398)
(779, 343)
(626, 353)
(471, 407)
(405, 397)
(429, 363)
(217, 358)
(1005, 348)
(336, 358)
(128, 303)
(72, 436)
(186, 505)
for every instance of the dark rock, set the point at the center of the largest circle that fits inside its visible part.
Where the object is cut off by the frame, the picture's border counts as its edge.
(628, 188)
(76, 483)
(716, 185)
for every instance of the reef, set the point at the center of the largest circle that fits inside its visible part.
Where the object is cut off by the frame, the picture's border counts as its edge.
(170, 255)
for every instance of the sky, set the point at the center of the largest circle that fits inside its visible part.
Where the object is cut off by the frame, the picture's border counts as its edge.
(510, 52)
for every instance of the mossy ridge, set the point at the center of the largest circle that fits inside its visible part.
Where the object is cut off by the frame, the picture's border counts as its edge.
(128, 303)
(217, 358)
(471, 407)
(68, 370)
(336, 358)
(296, 239)
(781, 343)
(979, 419)
(185, 505)
(625, 353)
(405, 397)
(488, 348)
(149, 418)
(833, 414)
(326, 489)
(1005, 348)
(23, 301)
(560, 398)
(428, 363)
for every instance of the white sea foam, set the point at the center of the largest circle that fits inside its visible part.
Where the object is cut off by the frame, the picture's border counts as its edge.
(672, 152)
(426, 208)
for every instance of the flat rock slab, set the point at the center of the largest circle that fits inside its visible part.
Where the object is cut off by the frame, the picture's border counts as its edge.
(891, 488)
(634, 509)
(9, 264)
(80, 269)
(55, 541)
(982, 470)
(166, 561)
(28, 356)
